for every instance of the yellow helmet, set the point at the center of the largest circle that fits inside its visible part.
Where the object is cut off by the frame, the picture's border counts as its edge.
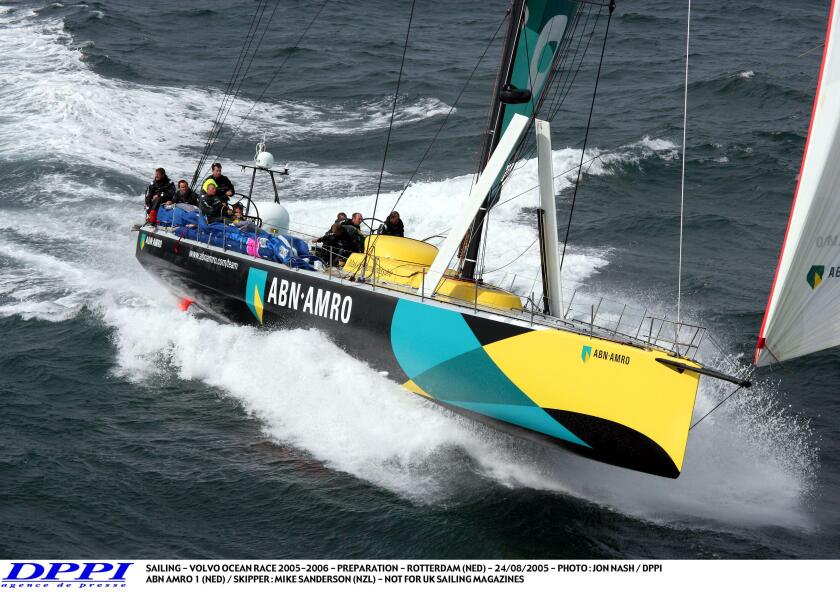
(207, 183)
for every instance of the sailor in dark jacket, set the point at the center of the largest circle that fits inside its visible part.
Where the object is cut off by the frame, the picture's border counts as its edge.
(337, 245)
(185, 194)
(393, 225)
(159, 191)
(353, 227)
(223, 184)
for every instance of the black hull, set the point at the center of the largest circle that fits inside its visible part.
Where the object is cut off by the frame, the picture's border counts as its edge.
(242, 289)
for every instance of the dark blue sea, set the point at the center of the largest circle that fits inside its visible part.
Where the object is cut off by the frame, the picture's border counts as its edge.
(132, 429)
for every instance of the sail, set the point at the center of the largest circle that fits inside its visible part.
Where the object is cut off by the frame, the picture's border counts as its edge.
(803, 312)
(535, 42)
(545, 25)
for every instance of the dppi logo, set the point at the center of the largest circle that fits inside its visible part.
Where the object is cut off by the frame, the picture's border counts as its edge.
(586, 353)
(86, 574)
(815, 276)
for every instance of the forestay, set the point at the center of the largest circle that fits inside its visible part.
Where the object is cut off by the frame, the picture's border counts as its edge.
(803, 312)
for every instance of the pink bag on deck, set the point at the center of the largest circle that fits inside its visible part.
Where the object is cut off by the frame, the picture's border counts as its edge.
(253, 247)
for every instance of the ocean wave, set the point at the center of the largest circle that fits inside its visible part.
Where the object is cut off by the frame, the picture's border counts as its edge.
(745, 84)
(58, 107)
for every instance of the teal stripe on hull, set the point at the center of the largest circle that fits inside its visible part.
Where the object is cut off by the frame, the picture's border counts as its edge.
(474, 382)
(424, 336)
(439, 352)
(532, 418)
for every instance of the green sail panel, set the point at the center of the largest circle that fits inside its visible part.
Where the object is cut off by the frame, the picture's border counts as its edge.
(546, 24)
(539, 34)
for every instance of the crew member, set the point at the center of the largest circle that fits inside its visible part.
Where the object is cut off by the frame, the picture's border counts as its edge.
(214, 203)
(185, 195)
(393, 225)
(223, 184)
(159, 191)
(354, 227)
(337, 245)
(355, 221)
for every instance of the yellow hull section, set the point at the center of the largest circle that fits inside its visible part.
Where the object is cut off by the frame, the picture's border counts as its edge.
(619, 383)
(605, 399)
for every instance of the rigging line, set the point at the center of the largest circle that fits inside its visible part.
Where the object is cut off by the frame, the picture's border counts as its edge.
(528, 248)
(804, 53)
(393, 108)
(231, 81)
(682, 179)
(511, 166)
(537, 104)
(273, 78)
(561, 90)
(560, 57)
(525, 146)
(388, 137)
(560, 96)
(243, 53)
(566, 74)
(586, 135)
(557, 176)
(570, 55)
(243, 76)
(248, 67)
(451, 110)
(715, 407)
(479, 277)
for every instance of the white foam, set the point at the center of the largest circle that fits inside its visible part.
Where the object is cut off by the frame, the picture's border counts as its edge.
(428, 207)
(739, 471)
(59, 108)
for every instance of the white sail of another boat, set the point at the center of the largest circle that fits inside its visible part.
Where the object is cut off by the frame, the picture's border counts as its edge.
(803, 312)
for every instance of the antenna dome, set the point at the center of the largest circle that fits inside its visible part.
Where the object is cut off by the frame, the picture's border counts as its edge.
(264, 160)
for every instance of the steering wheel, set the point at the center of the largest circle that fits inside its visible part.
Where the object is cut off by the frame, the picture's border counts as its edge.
(365, 222)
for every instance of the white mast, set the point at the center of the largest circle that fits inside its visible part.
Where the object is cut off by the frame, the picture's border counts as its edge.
(552, 290)
(479, 191)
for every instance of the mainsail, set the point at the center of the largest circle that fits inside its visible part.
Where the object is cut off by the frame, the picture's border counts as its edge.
(803, 312)
(535, 41)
